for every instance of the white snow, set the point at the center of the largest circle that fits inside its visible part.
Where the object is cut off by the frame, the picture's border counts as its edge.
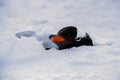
(26, 58)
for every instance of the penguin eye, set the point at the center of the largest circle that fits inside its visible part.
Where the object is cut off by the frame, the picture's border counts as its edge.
(78, 39)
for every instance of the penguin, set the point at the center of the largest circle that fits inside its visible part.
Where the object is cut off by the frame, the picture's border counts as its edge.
(67, 38)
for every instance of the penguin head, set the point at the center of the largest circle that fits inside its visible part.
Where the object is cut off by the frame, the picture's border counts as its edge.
(69, 32)
(66, 33)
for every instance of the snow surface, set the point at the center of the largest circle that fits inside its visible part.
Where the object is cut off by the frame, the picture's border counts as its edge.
(26, 58)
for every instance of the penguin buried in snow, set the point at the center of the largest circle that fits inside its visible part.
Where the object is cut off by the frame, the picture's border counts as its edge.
(67, 38)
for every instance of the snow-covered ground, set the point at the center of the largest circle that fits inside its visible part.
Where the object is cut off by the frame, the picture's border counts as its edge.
(26, 58)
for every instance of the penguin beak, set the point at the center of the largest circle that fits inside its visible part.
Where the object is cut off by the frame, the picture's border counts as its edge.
(57, 39)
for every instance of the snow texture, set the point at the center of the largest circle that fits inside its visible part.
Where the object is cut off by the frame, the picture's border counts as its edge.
(26, 58)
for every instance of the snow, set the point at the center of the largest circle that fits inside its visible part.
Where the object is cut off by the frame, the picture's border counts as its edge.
(26, 58)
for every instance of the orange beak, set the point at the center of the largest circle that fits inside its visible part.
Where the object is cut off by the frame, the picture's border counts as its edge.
(57, 39)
